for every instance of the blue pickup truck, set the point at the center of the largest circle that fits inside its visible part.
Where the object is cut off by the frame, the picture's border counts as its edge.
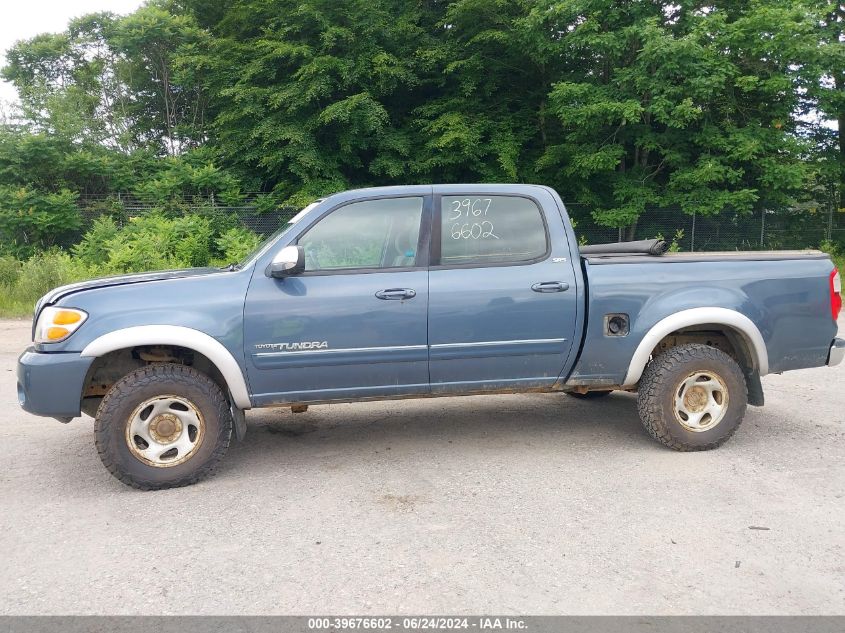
(422, 291)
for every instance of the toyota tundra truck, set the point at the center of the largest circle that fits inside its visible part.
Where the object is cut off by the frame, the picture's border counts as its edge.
(416, 292)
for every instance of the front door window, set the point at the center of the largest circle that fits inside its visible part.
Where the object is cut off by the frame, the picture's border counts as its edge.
(365, 235)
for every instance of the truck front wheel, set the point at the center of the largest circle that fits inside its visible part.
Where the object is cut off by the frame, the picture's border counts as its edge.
(692, 397)
(163, 426)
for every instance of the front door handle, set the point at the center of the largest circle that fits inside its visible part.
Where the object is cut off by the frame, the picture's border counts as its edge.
(550, 286)
(393, 294)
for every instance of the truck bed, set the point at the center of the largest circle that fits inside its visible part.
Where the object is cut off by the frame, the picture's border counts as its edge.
(713, 256)
(784, 293)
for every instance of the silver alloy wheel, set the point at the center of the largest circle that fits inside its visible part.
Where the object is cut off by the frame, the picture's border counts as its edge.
(701, 401)
(165, 431)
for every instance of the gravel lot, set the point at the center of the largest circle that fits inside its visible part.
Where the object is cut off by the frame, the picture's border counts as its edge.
(509, 504)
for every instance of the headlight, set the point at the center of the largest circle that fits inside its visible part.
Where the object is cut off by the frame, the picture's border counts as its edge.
(56, 324)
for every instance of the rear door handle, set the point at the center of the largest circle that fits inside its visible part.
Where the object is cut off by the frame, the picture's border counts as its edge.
(550, 286)
(394, 294)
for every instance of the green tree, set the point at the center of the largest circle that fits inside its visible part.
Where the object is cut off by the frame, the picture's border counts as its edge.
(684, 103)
(316, 96)
(823, 74)
(486, 115)
(114, 81)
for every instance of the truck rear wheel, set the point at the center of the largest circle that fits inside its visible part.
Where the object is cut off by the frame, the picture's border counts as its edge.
(163, 426)
(692, 397)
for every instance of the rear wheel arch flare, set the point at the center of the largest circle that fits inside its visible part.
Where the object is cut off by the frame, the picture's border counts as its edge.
(729, 320)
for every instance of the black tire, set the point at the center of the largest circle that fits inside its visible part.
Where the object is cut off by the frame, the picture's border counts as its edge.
(663, 379)
(126, 396)
(590, 395)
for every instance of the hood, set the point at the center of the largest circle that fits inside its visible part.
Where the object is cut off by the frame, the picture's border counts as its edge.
(119, 280)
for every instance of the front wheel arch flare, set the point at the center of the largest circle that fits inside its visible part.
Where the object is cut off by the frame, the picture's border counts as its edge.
(178, 336)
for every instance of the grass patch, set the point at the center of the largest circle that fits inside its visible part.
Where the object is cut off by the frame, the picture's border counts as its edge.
(23, 283)
(15, 309)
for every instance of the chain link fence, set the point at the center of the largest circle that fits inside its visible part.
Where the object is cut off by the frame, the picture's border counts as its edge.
(252, 211)
(788, 229)
(768, 230)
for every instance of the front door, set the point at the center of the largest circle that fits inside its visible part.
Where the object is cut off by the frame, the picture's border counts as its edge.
(353, 325)
(502, 293)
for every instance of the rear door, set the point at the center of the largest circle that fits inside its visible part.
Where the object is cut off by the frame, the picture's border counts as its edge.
(502, 291)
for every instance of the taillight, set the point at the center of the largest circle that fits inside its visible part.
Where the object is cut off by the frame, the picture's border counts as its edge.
(835, 293)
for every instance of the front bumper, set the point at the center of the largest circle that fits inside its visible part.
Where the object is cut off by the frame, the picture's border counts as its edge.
(50, 384)
(837, 352)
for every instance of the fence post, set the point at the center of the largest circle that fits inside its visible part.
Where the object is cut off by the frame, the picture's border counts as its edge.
(830, 220)
(692, 237)
(763, 229)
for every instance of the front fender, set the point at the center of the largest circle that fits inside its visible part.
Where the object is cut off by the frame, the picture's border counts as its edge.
(190, 338)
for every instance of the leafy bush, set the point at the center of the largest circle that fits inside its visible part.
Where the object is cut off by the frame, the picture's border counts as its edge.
(32, 220)
(175, 178)
(154, 241)
(236, 243)
(93, 249)
(219, 219)
(674, 245)
(192, 240)
(150, 242)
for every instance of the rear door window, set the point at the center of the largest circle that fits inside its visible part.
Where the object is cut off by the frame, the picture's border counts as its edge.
(478, 230)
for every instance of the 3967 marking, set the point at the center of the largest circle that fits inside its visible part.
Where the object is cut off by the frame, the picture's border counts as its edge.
(470, 207)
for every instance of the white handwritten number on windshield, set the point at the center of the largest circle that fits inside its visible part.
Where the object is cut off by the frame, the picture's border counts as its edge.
(471, 208)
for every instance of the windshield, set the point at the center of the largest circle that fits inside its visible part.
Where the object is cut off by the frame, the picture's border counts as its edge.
(262, 246)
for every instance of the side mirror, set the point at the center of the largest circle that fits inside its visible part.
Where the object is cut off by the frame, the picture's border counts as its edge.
(288, 261)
